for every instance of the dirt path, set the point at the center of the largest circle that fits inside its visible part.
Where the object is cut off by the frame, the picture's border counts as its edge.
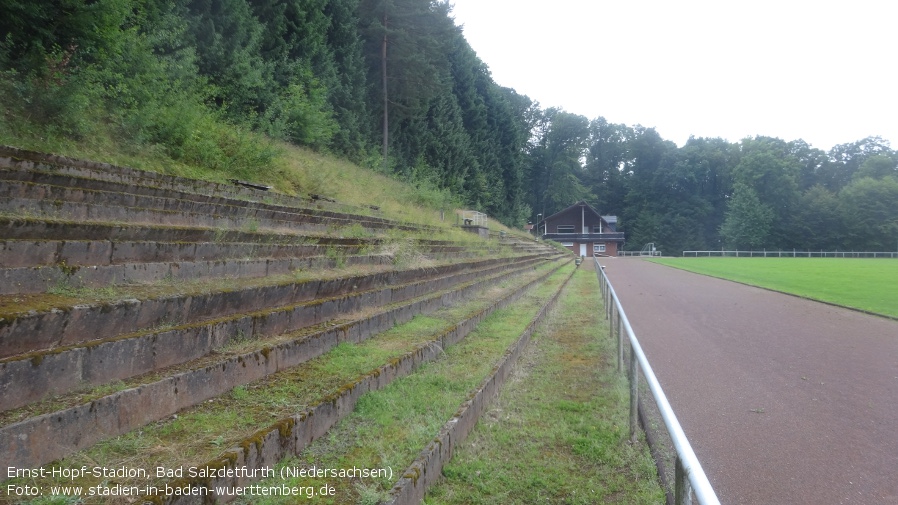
(784, 400)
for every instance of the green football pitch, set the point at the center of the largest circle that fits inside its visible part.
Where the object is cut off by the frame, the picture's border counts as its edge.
(867, 284)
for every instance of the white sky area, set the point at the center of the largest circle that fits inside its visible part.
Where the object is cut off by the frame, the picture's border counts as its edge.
(823, 71)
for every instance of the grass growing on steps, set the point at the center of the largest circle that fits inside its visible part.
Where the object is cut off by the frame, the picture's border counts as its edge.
(200, 433)
(239, 344)
(390, 427)
(558, 431)
(406, 252)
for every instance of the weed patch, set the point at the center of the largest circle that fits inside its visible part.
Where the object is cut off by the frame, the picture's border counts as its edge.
(389, 427)
(199, 433)
(558, 431)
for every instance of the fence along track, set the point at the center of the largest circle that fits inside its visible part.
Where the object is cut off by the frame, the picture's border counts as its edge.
(689, 476)
(794, 253)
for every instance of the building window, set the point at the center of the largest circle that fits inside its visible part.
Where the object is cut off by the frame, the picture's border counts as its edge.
(599, 248)
(565, 228)
(567, 244)
(597, 228)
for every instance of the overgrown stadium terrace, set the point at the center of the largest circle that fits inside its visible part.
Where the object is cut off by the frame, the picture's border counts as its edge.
(222, 331)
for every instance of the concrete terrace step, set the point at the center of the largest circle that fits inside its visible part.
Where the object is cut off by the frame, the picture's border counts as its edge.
(192, 288)
(60, 370)
(90, 176)
(90, 213)
(12, 157)
(25, 228)
(26, 329)
(63, 277)
(64, 273)
(74, 202)
(290, 436)
(42, 438)
(35, 266)
(30, 253)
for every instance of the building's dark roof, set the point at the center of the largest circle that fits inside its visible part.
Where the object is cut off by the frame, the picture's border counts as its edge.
(611, 220)
(578, 204)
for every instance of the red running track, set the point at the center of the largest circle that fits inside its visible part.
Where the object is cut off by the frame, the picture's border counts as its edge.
(784, 400)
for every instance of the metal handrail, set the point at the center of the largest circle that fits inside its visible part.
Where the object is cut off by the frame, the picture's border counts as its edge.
(689, 472)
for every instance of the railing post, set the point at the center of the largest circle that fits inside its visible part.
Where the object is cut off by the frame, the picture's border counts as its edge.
(606, 296)
(620, 344)
(682, 488)
(608, 305)
(611, 322)
(634, 395)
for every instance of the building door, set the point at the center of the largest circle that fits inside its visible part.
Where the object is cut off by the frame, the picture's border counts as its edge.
(582, 249)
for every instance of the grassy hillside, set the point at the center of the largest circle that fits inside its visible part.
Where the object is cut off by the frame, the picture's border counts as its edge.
(287, 168)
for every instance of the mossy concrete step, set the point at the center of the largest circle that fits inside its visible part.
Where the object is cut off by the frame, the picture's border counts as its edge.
(27, 253)
(131, 191)
(28, 328)
(24, 228)
(269, 446)
(526, 244)
(30, 166)
(34, 280)
(73, 202)
(38, 440)
(12, 157)
(91, 213)
(34, 375)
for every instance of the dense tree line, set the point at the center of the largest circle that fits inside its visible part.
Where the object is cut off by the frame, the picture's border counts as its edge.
(394, 85)
(710, 194)
(189, 76)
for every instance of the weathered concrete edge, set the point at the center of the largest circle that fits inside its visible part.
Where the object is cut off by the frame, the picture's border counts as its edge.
(190, 189)
(81, 196)
(29, 378)
(26, 253)
(78, 324)
(60, 433)
(100, 213)
(427, 469)
(36, 280)
(291, 435)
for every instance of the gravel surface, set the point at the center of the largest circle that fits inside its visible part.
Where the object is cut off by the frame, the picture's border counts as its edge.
(784, 400)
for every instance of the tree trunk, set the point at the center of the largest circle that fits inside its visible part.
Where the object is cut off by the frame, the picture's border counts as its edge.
(383, 69)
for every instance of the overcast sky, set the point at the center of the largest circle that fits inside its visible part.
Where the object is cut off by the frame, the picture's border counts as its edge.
(821, 71)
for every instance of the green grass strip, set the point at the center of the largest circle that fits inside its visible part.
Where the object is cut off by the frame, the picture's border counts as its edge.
(390, 427)
(558, 431)
(864, 284)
